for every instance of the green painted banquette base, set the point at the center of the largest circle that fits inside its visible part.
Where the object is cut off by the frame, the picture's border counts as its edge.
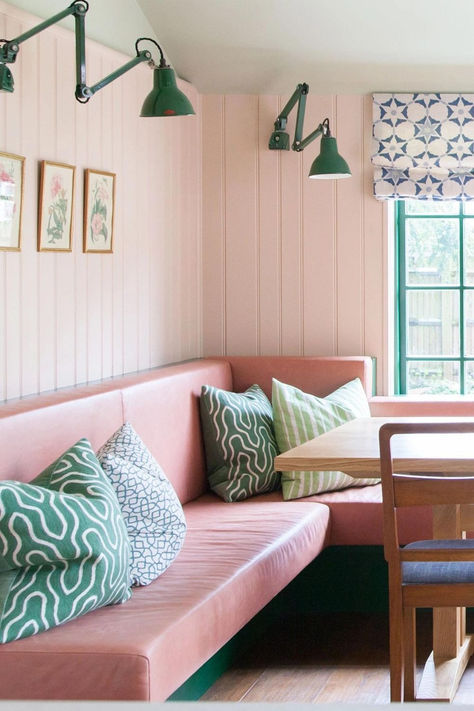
(321, 587)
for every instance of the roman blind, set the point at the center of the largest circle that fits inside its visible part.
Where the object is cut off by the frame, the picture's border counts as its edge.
(423, 146)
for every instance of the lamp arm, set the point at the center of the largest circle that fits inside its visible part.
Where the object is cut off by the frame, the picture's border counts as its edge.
(10, 48)
(323, 129)
(84, 92)
(79, 8)
(300, 145)
(298, 94)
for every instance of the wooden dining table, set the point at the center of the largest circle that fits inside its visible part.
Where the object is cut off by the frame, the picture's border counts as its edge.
(353, 448)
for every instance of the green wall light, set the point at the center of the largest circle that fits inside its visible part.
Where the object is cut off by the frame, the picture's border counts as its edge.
(164, 100)
(6, 78)
(329, 163)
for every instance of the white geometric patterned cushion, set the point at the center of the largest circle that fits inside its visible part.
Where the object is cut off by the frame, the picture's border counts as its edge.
(152, 512)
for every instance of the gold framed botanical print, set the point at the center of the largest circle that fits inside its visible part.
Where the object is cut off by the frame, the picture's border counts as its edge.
(11, 200)
(55, 209)
(99, 198)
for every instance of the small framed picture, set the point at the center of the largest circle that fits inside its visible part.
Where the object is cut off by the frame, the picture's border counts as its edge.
(11, 199)
(99, 192)
(56, 202)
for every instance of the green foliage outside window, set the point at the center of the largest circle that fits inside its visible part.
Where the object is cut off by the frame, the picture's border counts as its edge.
(435, 242)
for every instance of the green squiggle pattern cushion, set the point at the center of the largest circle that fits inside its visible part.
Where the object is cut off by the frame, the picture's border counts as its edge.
(239, 441)
(299, 416)
(64, 548)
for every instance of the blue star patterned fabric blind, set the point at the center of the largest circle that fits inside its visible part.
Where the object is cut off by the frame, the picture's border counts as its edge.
(423, 146)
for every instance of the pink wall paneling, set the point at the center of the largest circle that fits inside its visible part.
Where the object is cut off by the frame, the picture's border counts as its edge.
(73, 317)
(291, 265)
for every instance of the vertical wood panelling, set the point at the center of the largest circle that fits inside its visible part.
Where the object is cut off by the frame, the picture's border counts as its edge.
(350, 287)
(213, 226)
(143, 240)
(28, 92)
(269, 176)
(116, 166)
(291, 167)
(157, 292)
(374, 257)
(241, 121)
(48, 133)
(130, 245)
(319, 254)
(13, 265)
(3, 262)
(319, 258)
(80, 259)
(65, 325)
(67, 318)
(93, 116)
(107, 264)
(190, 252)
(3, 313)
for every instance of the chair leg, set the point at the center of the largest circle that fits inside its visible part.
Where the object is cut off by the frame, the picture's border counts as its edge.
(409, 653)
(396, 649)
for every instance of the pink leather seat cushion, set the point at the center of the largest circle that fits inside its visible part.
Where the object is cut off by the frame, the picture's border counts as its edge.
(356, 517)
(235, 558)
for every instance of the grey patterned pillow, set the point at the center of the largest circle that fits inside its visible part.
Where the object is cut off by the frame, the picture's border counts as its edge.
(152, 512)
(239, 441)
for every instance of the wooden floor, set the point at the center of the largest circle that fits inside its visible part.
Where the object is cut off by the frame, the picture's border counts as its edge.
(325, 659)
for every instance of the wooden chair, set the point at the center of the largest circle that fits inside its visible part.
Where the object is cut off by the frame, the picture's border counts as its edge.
(434, 573)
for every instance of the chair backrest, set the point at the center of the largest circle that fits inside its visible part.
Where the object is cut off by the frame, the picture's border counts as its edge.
(400, 489)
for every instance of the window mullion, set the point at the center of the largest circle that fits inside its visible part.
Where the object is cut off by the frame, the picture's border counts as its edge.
(461, 300)
(402, 319)
(401, 301)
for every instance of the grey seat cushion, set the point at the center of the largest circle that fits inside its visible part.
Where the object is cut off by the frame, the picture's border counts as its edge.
(439, 572)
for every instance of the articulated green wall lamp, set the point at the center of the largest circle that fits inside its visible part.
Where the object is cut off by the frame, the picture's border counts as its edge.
(329, 164)
(165, 99)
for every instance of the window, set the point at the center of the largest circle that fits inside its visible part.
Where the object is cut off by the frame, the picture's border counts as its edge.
(435, 259)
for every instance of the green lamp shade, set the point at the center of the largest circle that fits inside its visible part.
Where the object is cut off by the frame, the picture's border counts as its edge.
(329, 164)
(165, 99)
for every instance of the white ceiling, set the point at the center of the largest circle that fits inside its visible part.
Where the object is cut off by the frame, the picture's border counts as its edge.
(336, 46)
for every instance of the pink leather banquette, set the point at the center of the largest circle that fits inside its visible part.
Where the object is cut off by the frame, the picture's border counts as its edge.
(235, 559)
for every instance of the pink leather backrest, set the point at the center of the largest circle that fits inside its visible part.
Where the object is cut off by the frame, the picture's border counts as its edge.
(36, 431)
(162, 405)
(422, 406)
(316, 375)
(165, 413)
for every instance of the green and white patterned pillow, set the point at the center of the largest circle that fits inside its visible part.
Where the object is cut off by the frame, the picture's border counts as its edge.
(299, 416)
(64, 548)
(239, 441)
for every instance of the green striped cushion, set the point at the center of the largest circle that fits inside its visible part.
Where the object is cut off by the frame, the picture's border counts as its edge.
(299, 417)
(239, 441)
(64, 548)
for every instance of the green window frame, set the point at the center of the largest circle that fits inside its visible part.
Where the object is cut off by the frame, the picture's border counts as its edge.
(403, 358)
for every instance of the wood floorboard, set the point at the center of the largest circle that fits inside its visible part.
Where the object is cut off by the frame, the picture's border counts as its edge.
(233, 685)
(335, 658)
(289, 684)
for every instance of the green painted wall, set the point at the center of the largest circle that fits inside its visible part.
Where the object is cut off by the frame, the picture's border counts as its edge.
(113, 23)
